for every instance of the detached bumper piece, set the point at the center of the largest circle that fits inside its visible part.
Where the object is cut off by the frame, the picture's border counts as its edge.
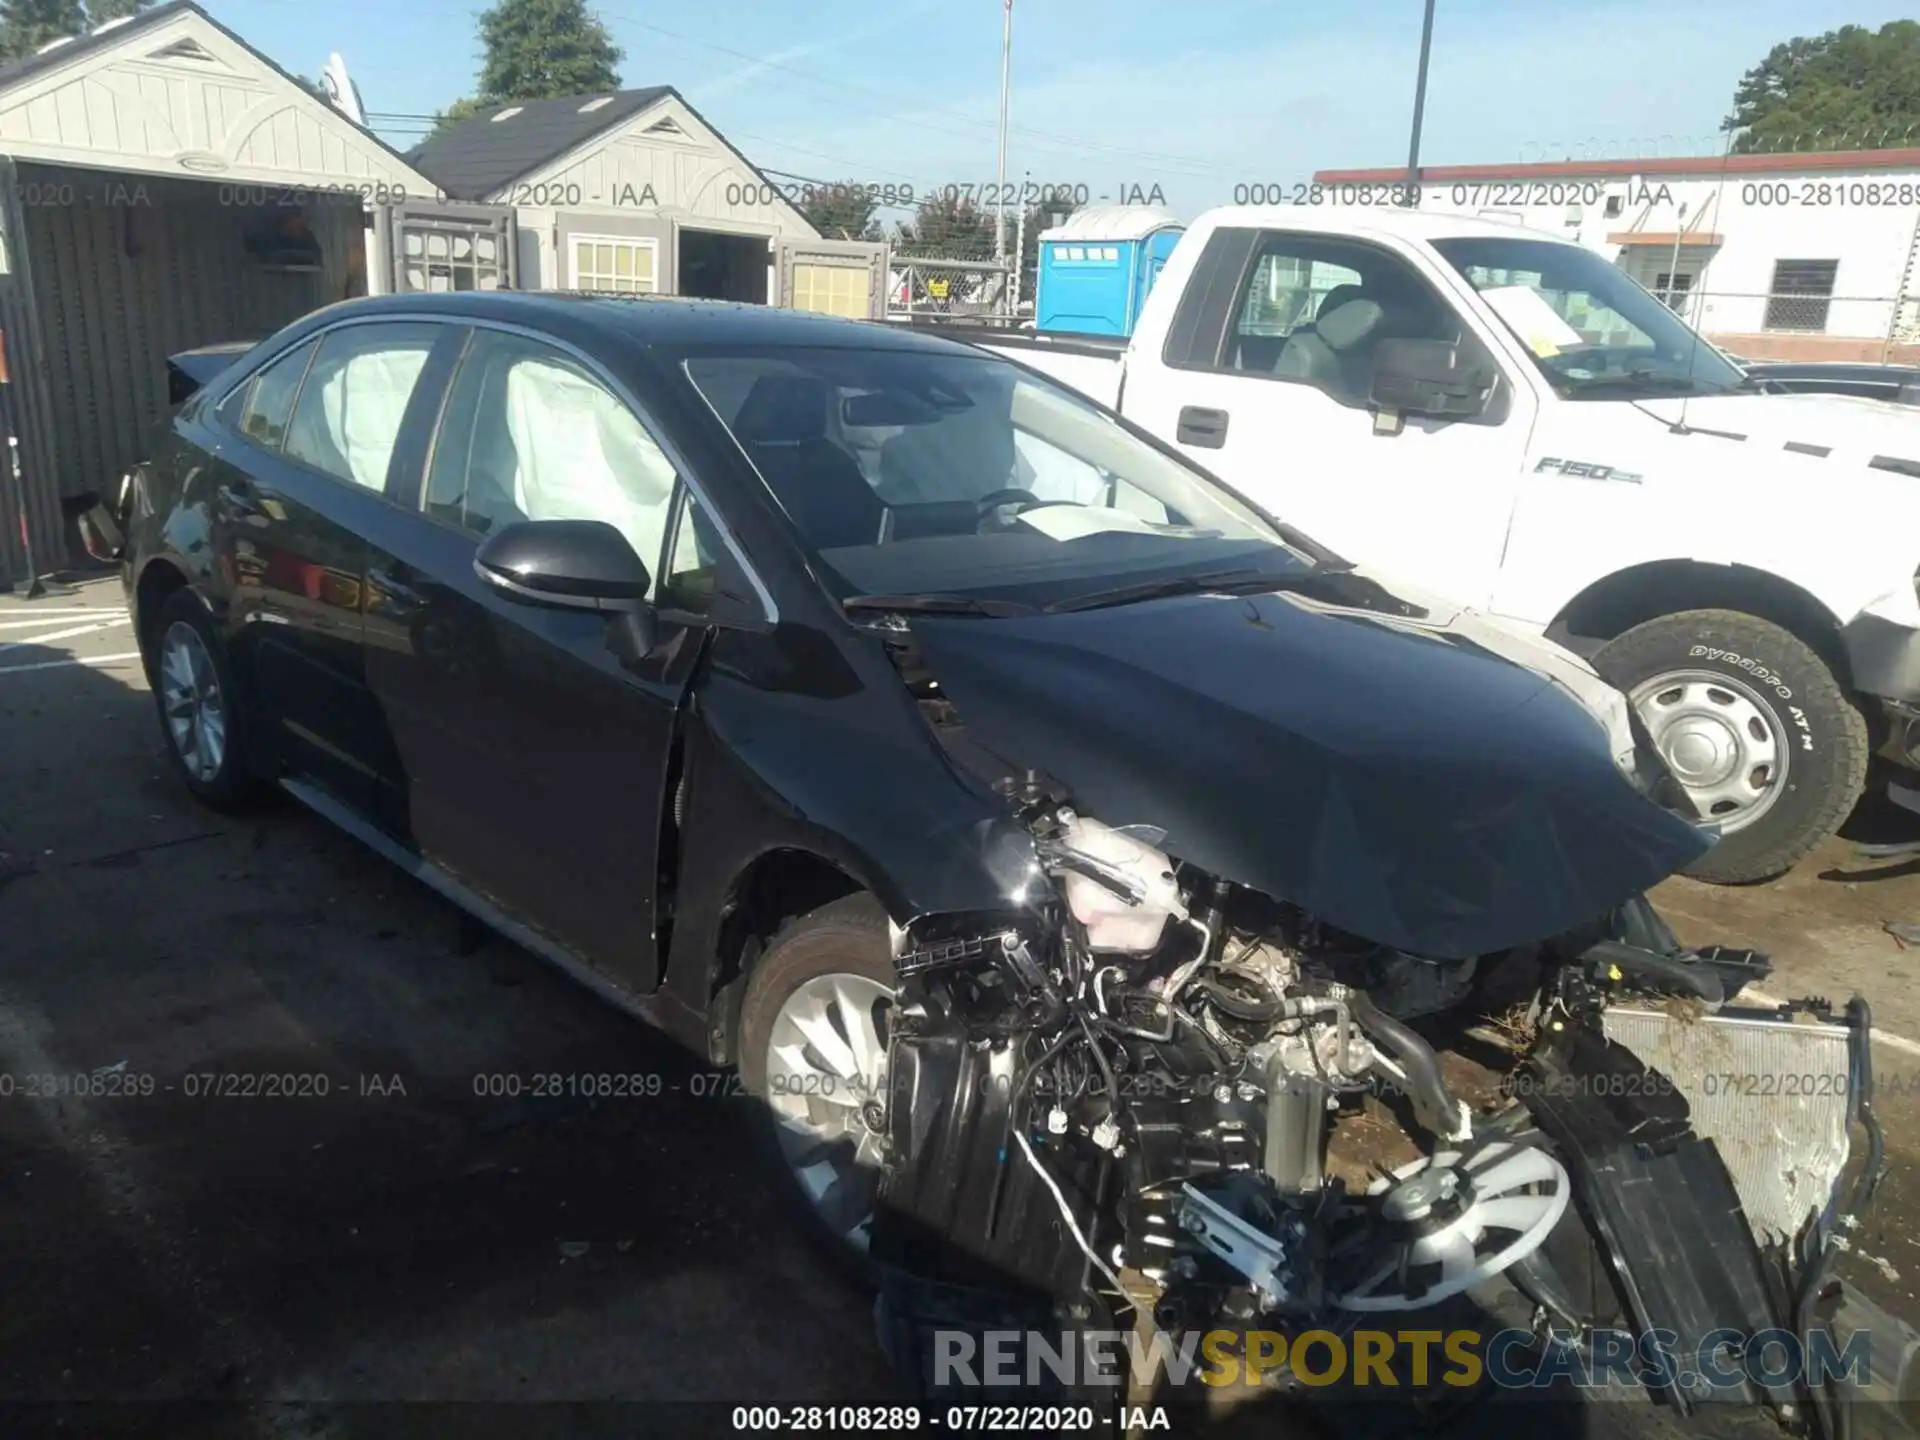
(1706, 1152)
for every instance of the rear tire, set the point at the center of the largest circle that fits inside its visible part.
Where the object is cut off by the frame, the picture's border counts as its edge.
(1752, 722)
(822, 1090)
(204, 714)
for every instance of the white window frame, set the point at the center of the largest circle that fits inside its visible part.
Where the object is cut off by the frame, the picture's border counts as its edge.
(638, 242)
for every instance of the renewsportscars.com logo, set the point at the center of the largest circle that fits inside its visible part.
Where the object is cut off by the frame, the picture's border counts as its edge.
(1416, 1359)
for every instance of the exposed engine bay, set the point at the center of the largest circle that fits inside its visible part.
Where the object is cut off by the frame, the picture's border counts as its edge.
(1174, 1095)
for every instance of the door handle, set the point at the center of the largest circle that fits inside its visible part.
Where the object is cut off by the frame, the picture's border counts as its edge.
(240, 500)
(1202, 427)
(389, 594)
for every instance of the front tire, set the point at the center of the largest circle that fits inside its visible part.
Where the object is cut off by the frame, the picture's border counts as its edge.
(813, 1049)
(1755, 727)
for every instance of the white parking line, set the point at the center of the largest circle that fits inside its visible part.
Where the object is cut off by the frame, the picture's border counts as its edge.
(64, 610)
(66, 634)
(63, 664)
(66, 618)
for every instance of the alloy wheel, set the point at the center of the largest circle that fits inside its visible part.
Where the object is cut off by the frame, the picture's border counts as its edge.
(826, 1086)
(195, 706)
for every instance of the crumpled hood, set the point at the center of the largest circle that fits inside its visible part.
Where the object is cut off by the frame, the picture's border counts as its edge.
(1393, 777)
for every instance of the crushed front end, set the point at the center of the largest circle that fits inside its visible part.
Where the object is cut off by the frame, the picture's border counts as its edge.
(1149, 1098)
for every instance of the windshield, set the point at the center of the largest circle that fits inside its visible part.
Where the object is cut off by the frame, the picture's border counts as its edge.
(926, 473)
(1593, 332)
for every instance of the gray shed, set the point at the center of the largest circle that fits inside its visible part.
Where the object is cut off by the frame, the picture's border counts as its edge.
(632, 191)
(163, 185)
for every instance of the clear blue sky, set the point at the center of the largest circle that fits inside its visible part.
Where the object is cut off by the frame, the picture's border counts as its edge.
(1195, 96)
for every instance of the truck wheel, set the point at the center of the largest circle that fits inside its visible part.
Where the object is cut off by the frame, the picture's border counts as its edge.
(1755, 727)
(813, 1049)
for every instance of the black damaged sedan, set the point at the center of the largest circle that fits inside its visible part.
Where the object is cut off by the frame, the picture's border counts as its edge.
(1077, 861)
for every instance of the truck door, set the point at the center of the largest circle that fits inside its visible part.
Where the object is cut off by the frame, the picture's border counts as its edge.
(1266, 378)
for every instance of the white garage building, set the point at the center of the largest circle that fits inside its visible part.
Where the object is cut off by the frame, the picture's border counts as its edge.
(162, 185)
(632, 191)
(1809, 256)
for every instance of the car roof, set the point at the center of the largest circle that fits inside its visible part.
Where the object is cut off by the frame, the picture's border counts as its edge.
(671, 322)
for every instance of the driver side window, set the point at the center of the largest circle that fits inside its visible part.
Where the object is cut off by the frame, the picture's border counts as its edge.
(1313, 309)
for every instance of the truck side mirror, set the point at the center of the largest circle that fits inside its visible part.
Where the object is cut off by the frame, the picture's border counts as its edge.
(1441, 378)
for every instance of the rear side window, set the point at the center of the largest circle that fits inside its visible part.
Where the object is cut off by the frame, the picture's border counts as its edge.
(356, 395)
(267, 400)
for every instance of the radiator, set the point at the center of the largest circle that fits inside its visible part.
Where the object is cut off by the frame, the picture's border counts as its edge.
(1773, 1095)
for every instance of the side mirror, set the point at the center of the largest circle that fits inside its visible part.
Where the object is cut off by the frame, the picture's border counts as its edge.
(1431, 377)
(570, 564)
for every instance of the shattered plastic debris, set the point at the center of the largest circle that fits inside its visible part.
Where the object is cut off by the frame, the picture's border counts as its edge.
(574, 1249)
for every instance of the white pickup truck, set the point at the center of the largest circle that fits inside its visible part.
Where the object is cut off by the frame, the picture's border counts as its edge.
(1506, 418)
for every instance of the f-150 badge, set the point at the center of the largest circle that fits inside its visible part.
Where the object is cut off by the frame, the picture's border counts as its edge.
(1582, 470)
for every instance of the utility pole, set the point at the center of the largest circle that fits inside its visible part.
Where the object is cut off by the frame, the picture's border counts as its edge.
(1000, 178)
(1419, 108)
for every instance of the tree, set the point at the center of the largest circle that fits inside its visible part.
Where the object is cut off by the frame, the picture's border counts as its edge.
(948, 227)
(841, 212)
(538, 50)
(462, 109)
(1851, 88)
(26, 25)
(101, 11)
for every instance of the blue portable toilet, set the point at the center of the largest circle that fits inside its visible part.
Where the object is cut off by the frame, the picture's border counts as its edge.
(1097, 266)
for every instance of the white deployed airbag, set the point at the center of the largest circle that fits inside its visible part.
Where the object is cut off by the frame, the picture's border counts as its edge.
(582, 455)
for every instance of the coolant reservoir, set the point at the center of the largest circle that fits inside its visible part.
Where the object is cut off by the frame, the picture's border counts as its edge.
(1112, 924)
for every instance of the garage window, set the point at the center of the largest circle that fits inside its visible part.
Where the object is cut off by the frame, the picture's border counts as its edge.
(609, 263)
(355, 397)
(831, 290)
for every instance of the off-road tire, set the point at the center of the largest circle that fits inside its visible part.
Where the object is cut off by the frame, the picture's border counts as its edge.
(847, 936)
(239, 785)
(1825, 730)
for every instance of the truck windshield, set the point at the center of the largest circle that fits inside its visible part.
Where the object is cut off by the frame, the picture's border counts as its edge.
(936, 475)
(1593, 332)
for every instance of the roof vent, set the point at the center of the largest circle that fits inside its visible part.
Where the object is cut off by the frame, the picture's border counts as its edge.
(188, 49)
(665, 127)
(508, 113)
(54, 44)
(596, 104)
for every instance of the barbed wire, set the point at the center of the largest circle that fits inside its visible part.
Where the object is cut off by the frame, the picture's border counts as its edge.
(1718, 144)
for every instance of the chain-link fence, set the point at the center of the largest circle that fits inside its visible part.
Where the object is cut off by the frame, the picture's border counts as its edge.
(958, 272)
(1804, 322)
(1674, 145)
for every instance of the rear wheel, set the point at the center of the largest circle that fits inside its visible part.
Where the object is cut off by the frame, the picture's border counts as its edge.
(202, 714)
(1753, 725)
(813, 1047)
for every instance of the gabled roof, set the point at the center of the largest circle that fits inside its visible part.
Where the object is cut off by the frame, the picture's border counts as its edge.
(474, 158)
(115, 33)
(112, 33)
